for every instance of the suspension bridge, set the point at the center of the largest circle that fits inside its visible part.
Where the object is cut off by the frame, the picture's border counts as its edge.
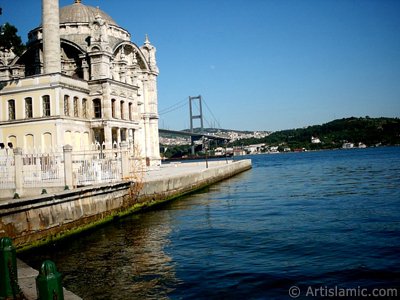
(195, 113)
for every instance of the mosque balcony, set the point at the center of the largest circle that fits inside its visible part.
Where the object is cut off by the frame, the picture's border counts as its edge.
(150, 115)
(38, 82)
(101, 123)
(73, 82)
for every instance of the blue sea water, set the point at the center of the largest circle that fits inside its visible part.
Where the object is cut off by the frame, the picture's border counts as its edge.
(314, 220)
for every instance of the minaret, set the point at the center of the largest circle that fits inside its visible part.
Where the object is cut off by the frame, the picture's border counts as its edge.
(51, 36)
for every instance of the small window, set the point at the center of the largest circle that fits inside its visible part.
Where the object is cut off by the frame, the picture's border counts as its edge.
(130, 111)
(28, 108)
(122, 109)
(97, 108)
(46, 106)
(76, 108)
(66, 105)
(11, 109)
(84, 108)
(113, 108)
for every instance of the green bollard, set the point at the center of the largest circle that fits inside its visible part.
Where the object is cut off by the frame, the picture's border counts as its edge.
(48, 282)
(8, 270)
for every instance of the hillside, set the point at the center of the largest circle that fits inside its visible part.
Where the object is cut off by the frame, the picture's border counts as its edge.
(370, 131)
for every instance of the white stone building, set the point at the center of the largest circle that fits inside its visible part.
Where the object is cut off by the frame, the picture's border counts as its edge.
(315, 140)
(81, 81)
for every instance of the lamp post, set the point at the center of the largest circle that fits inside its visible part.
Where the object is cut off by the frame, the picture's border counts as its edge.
(205, 147)
(226, 153)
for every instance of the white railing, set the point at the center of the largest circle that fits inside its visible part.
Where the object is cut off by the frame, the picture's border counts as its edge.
(43, 170)
(24, 171)
(94, 167)
(7, 169)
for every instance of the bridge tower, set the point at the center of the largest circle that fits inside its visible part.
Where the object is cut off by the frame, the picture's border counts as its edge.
(194, 117)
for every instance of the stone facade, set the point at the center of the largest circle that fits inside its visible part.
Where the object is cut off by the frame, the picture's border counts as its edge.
(97, 87)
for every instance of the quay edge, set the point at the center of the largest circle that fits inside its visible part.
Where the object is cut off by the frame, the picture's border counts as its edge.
(37, 221)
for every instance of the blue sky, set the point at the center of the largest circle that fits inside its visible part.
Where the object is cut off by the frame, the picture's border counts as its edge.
(261, 64)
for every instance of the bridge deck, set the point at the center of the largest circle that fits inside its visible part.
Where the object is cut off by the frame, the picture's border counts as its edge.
(192, 134)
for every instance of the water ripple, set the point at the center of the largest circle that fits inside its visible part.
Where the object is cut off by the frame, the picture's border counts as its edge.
(306, 219)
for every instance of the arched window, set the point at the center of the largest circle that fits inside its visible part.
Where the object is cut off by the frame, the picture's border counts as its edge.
(29, 141)
(66, 105)
(97, 108)
(76, 108)
(122, 109)
(84, 108)
(67, 138)
(130, 110)
(28, 108)
(113, 108)
(76, 140)
(46, 106)
(12, 141)
(11, 109)
(47, 141)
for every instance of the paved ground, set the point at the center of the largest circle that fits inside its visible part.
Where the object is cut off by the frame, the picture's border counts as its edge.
(27, 283)
(173, 169)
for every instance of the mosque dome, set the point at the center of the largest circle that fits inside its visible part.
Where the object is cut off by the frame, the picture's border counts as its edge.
(80, 13)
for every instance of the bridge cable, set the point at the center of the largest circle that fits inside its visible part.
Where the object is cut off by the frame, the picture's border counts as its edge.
(215, 119)
(173, 107)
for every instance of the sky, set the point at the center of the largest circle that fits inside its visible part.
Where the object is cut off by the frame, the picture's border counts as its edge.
(260, 64)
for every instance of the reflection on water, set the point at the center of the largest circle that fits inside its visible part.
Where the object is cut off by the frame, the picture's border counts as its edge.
(124, 260)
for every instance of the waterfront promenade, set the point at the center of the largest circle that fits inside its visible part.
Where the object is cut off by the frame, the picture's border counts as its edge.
(176, 169)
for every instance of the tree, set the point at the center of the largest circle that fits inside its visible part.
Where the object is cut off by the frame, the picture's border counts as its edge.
(9, 40)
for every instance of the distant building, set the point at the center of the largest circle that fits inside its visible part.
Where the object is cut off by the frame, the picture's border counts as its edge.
(315, 140)
(273, 149)
(347, 145)
(81, 81)
(253, 149)
(361, 145)
(238, 151)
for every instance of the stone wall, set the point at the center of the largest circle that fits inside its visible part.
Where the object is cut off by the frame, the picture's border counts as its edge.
(34, 221)
(39, 220)
(177, 185)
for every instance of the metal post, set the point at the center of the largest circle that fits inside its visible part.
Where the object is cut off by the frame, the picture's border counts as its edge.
(205, 147)
(8, 270)
(48, 282)
(226, 153)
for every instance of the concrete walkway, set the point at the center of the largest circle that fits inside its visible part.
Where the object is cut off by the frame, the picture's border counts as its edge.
(27, 283)
(177, 169)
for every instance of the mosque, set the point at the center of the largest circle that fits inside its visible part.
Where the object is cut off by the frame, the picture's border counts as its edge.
(81, 81)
